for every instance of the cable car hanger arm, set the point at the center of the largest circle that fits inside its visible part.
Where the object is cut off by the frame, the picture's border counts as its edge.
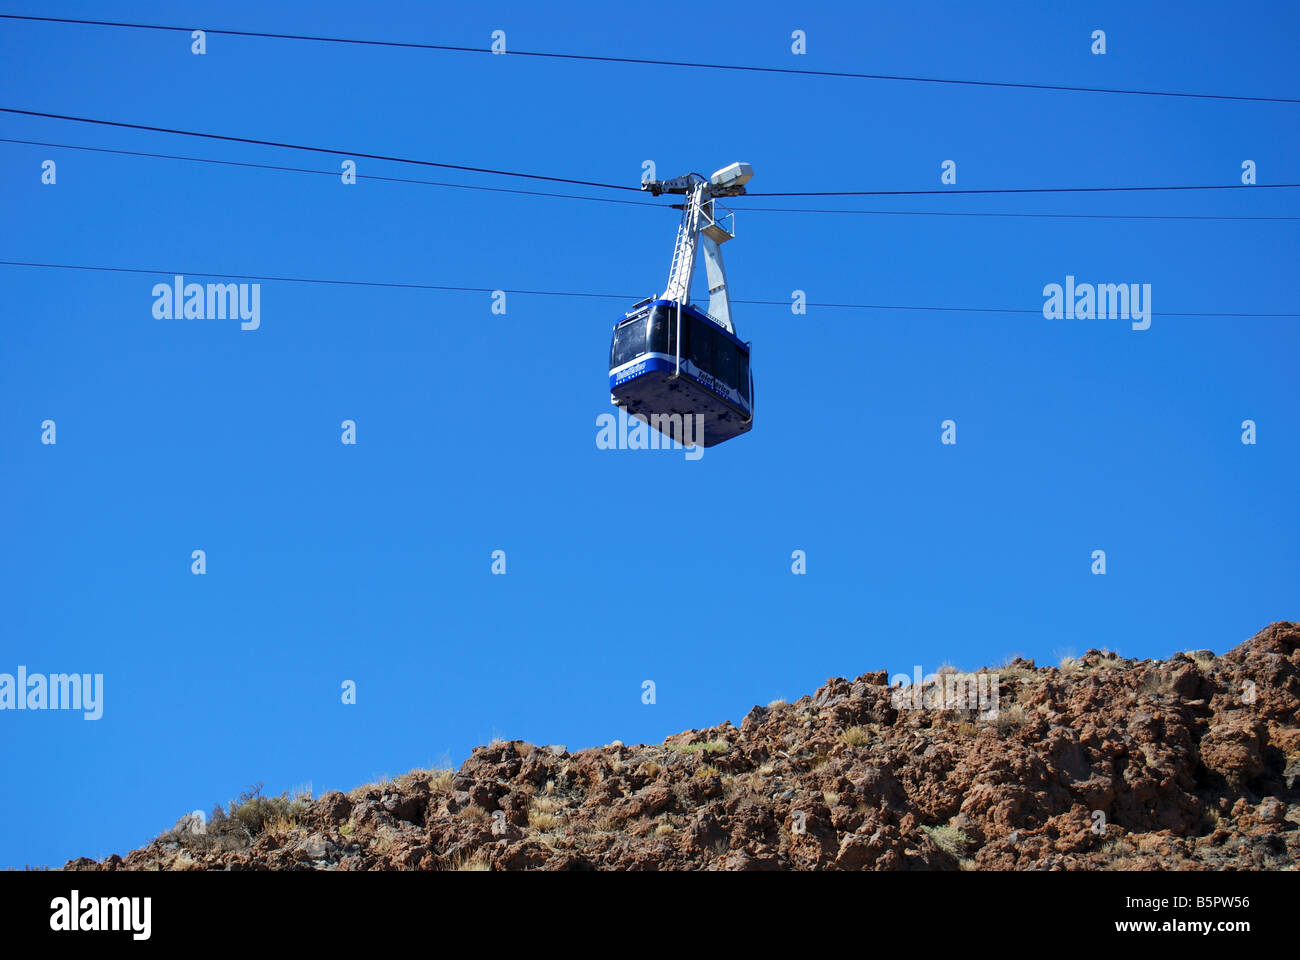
(699, 228)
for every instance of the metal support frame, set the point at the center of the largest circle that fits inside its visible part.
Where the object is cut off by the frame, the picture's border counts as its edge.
(700, 229)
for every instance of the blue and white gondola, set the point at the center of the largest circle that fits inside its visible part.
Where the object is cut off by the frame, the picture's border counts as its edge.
(658, 375)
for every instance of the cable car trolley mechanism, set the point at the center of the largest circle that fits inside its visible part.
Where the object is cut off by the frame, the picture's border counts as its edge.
(668, 358)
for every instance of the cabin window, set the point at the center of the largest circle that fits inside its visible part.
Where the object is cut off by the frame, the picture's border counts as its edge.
(725, 361)
(699, 344)
(662, 320)
(714, 352)
(629, 341)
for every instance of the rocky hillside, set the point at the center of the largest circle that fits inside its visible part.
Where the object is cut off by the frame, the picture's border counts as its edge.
(1101, 763)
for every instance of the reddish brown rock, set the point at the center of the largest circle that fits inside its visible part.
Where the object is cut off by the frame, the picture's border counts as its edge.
(1102, 763)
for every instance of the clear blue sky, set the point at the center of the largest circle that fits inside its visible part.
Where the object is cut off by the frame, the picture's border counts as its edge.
(476, 432)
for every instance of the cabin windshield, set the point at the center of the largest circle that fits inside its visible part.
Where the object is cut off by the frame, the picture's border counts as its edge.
(629, 341)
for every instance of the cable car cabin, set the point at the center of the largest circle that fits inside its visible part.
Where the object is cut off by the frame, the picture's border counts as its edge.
(704, 371)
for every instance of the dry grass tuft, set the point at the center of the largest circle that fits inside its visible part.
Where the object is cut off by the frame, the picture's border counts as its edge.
(706, 747)
(854, 736)
(1010, 718)
(956, 843)
(476, 861)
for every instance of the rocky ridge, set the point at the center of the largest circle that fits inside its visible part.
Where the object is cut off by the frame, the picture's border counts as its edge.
(1102, 763)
